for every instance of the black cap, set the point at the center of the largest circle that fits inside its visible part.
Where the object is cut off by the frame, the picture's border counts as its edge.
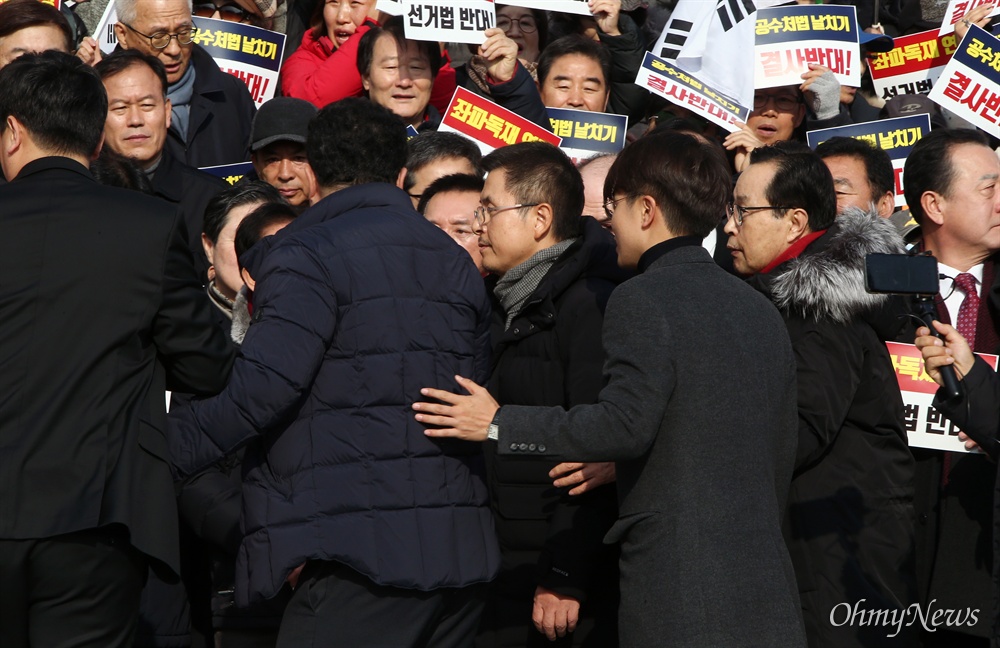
(282, 119)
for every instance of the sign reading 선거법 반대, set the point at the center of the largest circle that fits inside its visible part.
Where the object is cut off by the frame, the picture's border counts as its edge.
(681, 88)
(925, 426)
(913, 65)
(894, 136)
(490, 126)
(969, 85)
(448, 21)
(586, 134)
(787, 39)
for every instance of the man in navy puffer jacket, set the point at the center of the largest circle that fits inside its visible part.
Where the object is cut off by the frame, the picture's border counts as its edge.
(358, 304)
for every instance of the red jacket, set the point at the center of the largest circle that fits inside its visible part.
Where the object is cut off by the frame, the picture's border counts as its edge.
(321, 74)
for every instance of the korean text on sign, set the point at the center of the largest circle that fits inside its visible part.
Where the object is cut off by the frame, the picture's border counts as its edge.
(894, 136)
(683, 89)
(968, 86)
(449, 21)
(787, 39)
(925, 426)
(249, 53)
(489, 125)
(913, 66)
(957, 9)
(585, 134)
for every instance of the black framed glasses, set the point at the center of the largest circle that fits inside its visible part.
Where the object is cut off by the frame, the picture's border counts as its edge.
(160, 40)
(739, 213)
(782, 102)
(484, 214)
(526, 24)
(611, 204)
(229, 11)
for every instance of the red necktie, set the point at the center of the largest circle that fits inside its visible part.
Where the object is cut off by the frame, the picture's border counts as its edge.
(968, 315)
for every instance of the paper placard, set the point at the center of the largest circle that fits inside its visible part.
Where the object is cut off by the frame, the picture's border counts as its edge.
(578, 7)
(925, 426)
(683, 89)
(894, 136)
(586, 134)
(968, 86)
(489, 125)
(448, 21)
(391, 7)
(249, 53)
(231, 173)
(958, 8)
(913, 65)
(787, 39)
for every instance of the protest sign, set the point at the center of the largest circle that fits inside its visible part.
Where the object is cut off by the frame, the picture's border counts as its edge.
(957, 9)
(925, 426)
(231, 173)
(681, 88)
(787, 39)
(894, 136)
(391, 7)
(489, 125)
(411, 132)
(249, 53)
(913, 65)
(969, 80)
(586, 134)
(578, 7)
(447, 21)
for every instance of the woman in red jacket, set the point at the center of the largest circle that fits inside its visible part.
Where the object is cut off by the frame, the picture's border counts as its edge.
(323, 69)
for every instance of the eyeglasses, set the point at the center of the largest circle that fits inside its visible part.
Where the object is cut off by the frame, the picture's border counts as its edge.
(230, 11)
(781, 102)
(484, 214)
(526, 24)
(611, 204)
(160, 40)
(739, 213)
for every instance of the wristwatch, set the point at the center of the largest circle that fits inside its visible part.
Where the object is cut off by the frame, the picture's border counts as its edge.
(493, 431)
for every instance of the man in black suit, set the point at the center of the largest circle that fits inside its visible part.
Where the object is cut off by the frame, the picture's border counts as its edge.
(99, 313)
(697, 477)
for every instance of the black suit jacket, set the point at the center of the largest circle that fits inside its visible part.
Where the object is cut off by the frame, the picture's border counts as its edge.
(99, 312)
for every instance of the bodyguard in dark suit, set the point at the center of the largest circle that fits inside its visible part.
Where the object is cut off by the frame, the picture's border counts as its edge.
(701, 484)
(99, 313)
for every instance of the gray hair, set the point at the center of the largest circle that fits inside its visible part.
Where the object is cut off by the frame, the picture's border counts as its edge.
(127, 10)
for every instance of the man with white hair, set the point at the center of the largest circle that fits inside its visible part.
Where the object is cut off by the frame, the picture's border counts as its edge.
(211, 111)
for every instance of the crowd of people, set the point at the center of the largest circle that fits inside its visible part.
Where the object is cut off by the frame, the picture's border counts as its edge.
(646, 400)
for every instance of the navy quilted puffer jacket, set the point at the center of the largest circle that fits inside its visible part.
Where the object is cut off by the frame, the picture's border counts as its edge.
(359, 304)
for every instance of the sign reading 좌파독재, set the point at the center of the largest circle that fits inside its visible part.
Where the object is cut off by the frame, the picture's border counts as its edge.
(578, 7)
(448, 21)
(249, 53)
(968, 86)
(913, 66)
(894, 136)
(925, 426)
(957, 9)
(787, 39)
(585, 134)
(489, 125)
(231, 173)
(683, 89)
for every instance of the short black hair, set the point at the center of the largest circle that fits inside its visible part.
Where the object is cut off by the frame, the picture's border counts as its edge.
(583, 164)
(395, 27)
(929, 165)
(801, 180)
(59, 99)
(116, 170)
(574, 44)
(240, 194)
(427, 148)
(878, 164)
(688, 177)
(251, 230)
(16, 15)
(122, 59)
(537, 172)
(463, 182)
(354, 141)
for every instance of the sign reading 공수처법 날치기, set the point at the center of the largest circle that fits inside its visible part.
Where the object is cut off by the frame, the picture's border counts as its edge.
(969, 86)
(586, 134)
(787, 39)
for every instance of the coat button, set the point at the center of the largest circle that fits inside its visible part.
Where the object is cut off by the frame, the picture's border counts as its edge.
(516, 331)
(523, 446)
(513, 447)
(532, 447)
(541, 448)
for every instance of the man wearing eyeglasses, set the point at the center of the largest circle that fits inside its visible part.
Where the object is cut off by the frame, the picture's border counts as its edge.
(211, 111)
(849, 523)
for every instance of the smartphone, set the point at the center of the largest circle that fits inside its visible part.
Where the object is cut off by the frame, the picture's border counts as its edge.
(901, 274)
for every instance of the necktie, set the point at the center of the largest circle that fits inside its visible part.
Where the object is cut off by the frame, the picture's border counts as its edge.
(968, 314)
